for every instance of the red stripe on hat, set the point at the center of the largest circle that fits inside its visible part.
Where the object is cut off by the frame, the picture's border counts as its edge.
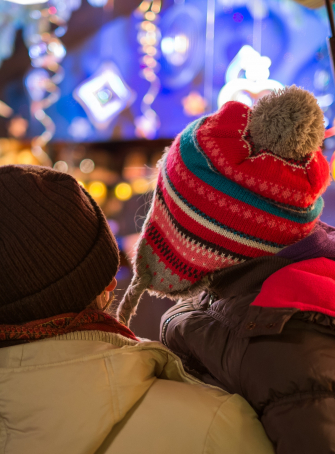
(194, 255)
(221, 138)
(201, 231)
(231, 212)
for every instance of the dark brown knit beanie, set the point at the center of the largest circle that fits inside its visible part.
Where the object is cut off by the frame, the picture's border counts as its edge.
(57, 252)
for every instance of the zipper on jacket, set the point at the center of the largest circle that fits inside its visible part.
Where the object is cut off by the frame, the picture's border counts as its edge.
(166, 324)
(212, 298)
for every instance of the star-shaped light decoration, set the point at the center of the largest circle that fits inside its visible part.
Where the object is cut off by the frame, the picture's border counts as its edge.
(194, 104)
(104, 95)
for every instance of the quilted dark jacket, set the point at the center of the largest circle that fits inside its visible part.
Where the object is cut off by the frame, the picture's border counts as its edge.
(280, 359)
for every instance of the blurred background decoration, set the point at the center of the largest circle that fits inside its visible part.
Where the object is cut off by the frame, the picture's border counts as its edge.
(98, 89)
(116, 70)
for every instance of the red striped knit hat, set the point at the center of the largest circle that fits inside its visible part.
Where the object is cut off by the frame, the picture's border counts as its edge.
(236, 185)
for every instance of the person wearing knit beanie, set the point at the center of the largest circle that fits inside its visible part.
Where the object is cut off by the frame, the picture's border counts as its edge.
(73, 379)
(57, 250)
(236, 185)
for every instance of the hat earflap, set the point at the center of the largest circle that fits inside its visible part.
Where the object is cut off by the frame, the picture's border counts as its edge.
(129, 303)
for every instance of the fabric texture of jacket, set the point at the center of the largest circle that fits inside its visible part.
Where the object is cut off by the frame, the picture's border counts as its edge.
(95, 392)
(265, 330)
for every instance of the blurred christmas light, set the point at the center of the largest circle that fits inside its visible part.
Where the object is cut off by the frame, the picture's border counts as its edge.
(46, 52)
(98, 3)
(182, 44)
(123, 191)
(81, 183)
(98, 190)
(18, 127)
(5, 111)
(35, 14)
(140, 186)
(325, 101)
(144, 6)
(321, 79)
(87, 165)
(80, 128)
(27, 2)
(194, 104)
(104, 95)
(149, 37)
(332, 165)
(26, 157)
(61, 166)
(175, 49)
(147, 124)
(256, 84)
(156, 6)
(153, 184)
(36, 82)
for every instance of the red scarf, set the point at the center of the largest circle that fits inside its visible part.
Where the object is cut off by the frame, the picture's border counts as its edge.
(87, 320)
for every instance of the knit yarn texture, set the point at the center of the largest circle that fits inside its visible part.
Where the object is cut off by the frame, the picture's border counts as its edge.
(57, 250)
(220, 202)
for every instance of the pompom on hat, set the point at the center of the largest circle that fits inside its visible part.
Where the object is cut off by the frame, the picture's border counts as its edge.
(236, 185)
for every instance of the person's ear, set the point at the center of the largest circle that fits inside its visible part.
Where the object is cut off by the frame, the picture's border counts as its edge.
(110, 287)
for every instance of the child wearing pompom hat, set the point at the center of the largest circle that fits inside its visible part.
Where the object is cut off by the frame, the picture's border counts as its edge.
(234, 233)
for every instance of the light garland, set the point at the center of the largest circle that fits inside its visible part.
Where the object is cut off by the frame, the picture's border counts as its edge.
(149, 37)
(46, 52)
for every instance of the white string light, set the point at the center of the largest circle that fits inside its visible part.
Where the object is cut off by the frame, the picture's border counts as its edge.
(149, 37)
(46, 52)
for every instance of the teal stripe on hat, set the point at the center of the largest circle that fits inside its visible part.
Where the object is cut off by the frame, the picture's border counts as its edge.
(199, 164)
(228, 232)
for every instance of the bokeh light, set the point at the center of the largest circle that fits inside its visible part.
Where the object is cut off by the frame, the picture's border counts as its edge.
(98, 190)
(61, 166)
(82, 184)
(87, 165)
(140, 186)
(123, 191)
(332, 165)
(26, 157)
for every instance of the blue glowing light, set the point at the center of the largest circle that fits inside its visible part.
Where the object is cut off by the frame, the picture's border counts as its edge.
(104, 95)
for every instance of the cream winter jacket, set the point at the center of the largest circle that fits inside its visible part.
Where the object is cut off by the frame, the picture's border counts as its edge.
(93, 392)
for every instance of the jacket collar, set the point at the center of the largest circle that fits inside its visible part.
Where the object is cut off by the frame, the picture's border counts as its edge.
(320, 243)
(249, 276)
(246, 277)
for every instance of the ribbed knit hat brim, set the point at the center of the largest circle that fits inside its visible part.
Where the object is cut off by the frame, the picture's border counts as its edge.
(57, 250)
